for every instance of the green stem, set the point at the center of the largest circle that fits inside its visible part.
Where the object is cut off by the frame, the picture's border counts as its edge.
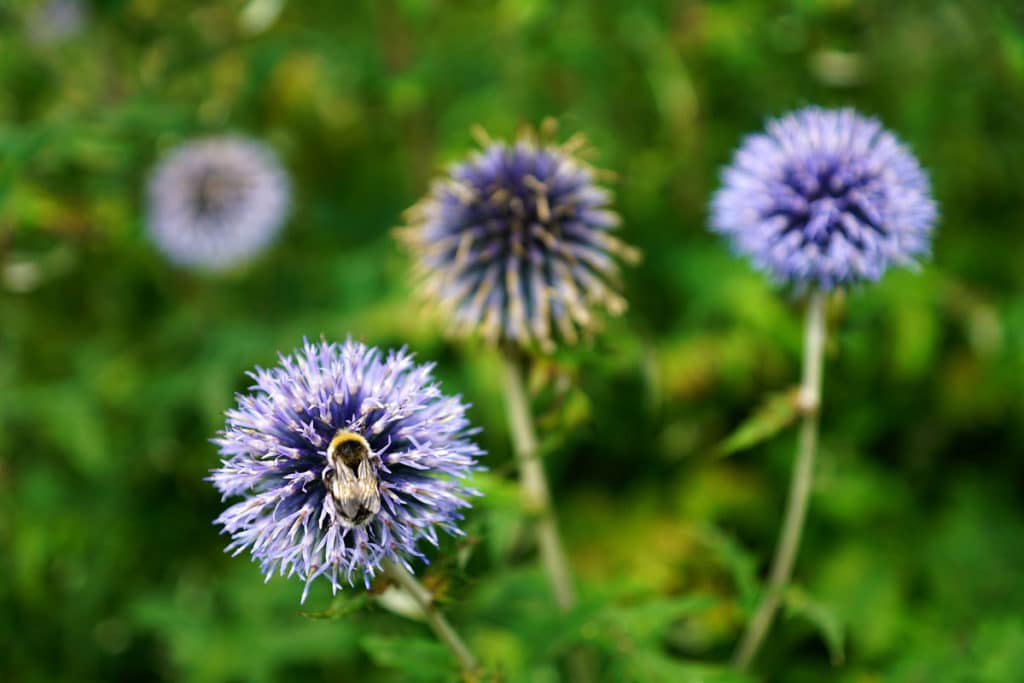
(536, 500)
(533, 484)
(799, 488)
(442, 629)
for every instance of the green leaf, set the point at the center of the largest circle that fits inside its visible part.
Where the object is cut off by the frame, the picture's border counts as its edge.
(741, 565)
(651, 665)
(775, 414)
(502, 512)
(800, 603)
(342, 605)
(418, 659)
(646, 620)
(998, 650)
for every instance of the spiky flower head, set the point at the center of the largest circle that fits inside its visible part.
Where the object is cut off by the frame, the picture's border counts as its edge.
(343, 457)
(515, 243)
(216, 202)
(825, 198)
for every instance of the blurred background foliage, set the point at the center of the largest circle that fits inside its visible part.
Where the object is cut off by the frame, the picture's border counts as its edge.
(115, 368)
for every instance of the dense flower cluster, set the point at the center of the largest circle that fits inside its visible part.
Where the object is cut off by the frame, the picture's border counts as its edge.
(216, 202)
(515, 244)
(825, 197)
(344, 457)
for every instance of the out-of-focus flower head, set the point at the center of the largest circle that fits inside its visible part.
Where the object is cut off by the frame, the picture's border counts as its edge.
(825, 198)
(343, 457)
(53, 21)
(217, 202)
(515, 243)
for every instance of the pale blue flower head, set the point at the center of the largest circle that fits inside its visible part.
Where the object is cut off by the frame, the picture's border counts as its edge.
(217, 202)
(53, 21)
(343, 457)
(825, 198)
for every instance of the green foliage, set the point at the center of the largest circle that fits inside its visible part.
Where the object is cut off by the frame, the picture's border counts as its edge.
(115, 368)
(777, 412)
(824, 618)
(416, 659)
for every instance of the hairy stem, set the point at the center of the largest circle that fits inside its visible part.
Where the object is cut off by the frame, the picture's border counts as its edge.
(536, 500)
(799, 487)
(533, 484)
(442, 629)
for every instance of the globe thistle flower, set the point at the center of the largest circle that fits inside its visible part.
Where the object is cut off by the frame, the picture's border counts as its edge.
(515, 243)
(216, 202)
(53, 21)
(825, 197)
(344, 458)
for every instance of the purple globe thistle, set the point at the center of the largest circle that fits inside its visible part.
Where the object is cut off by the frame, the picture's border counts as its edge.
(825, 197)
(515, 243)
(344, 458)
(216, 202)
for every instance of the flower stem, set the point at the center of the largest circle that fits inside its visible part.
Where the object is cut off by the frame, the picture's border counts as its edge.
(536, 500)
(799, 488)
(442, 629)
(533, 483)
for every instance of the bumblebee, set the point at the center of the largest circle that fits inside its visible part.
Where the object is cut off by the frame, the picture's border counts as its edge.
(351, 480)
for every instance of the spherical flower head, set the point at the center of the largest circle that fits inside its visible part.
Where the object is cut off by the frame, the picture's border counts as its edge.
(825, 198)
(53, 21)
(217, 202)
(515, 244)
(344, 458)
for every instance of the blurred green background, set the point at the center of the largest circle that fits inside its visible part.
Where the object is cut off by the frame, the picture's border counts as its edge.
(115, 368)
